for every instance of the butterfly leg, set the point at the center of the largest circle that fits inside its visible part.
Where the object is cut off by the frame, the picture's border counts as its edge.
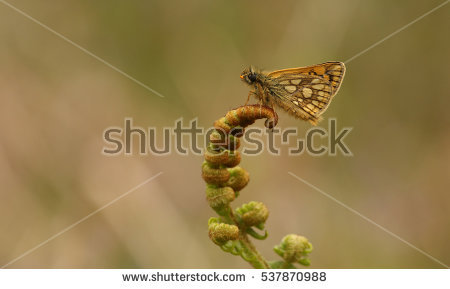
(248, 98)
(269, 102)
(260, 95)
(266, 100)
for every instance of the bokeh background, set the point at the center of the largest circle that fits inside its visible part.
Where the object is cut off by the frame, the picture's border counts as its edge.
(56, 101)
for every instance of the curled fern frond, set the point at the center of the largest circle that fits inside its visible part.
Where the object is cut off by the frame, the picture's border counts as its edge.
(225, 179)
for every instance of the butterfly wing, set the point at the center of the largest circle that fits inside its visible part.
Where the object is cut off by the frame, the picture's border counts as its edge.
(306, 92)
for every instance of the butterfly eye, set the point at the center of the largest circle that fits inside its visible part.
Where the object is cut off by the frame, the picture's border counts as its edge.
(252, 77)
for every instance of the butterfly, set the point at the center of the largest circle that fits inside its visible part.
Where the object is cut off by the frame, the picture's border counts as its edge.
(304, 92)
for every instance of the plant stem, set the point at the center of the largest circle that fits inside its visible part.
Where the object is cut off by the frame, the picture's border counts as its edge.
(286, 265)
(255, 258)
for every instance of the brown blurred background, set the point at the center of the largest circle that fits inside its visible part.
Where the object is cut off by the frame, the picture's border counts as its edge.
(55, 102)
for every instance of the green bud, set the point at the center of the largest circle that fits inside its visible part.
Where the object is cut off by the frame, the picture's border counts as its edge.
(224, 157)
(215, 176)
(220, 233)
(253, 214)
(239, 178)
(294, 249)
(219, 197)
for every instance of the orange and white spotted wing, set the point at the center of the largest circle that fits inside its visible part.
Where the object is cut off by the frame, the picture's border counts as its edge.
(306, 92)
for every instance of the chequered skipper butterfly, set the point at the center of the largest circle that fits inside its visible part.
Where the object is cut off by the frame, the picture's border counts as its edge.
(304, 92)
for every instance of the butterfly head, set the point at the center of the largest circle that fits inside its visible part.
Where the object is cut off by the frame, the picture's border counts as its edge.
(249, 75)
